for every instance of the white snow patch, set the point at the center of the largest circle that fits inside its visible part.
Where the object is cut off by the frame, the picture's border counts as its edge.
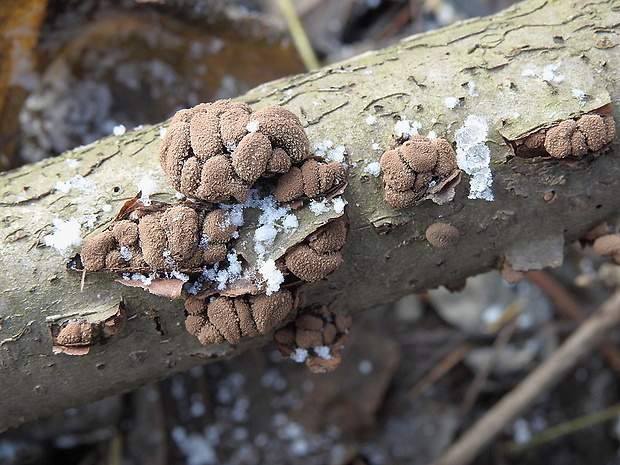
(180, 276)
(148, 187)
(451, 102)
(376, 146)
(272, 275)
(474, 157)
(66, 234)
(547, 73)
(76, 182)
(371, 119)
(252, 126)
(327, 150)
(318, 207)
(471, 86)
(126, 253)
(579, 95)
(404, 128)
(162, 132)
(432, 135)
(373, 169)
(324, 352)
(300, 355)
(338, 204)
(119, 130)
(72, 163)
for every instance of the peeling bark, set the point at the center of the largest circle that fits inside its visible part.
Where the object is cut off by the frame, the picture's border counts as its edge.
(524, 69)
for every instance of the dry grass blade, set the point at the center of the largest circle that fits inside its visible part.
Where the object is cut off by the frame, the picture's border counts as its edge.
(590, 334)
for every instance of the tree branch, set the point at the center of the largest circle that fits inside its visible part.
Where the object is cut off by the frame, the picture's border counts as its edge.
(524, 69)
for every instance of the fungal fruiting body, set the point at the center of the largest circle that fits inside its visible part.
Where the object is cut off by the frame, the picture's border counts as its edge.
(231, 159)
(225, 319)
(442, 235)
(608, 246)
(417, 169)
(315, 337)
(572, 138)
(163, 238)
(216, 151)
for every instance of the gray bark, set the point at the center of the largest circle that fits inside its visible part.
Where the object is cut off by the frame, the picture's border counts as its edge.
(529, 65)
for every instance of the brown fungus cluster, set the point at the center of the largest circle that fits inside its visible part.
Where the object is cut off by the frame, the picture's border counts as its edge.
(416, 169)
(216, 151)
(315, 337)
(442, 235)
(320, 254)
(179, 237)
(572, 138)
(223, 153)
(225, 319)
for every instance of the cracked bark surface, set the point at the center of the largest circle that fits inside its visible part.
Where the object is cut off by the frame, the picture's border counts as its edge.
(386, 255)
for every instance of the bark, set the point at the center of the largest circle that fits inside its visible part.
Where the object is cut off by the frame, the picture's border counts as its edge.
(529, 65)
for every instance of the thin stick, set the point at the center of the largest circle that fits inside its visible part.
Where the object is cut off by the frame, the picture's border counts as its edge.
(515, 403)
(567, 427)
(566, 304)
(299, 36)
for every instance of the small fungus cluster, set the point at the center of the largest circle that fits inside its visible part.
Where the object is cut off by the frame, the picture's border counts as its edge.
(215, 152)
(572, 138)
(179, 237)
(315, 337)
(226, 158)
(442, 235)
(418, 169)
(224, 319)
(608, 246)
(319, 255)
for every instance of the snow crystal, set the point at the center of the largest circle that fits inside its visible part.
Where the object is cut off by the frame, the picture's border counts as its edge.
(180, 276)
(162, 132)
(148, 187)
(252, 126)
(76, 182)
(373, 169)
(318, 207)
(547, 73)
(471, 86)
(126, 253)
(327, 150)
(272, 276)
(579, 95)
(66, 234)
(432, 135)
(474, 157)
(405, 128)
(324, 352)
(338, 204)
(119, 130)
(376, 146)
(300, 355)
(371, 119)
(290, 221)
(72, 163)
(451, 102)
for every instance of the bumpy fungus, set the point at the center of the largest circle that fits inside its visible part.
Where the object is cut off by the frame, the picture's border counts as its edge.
(216, 151)
(225, 319)
(318, 334)
(417, 168)
(442, 235)
(312, 179)
(608, 246)
(169, 238)
(319, 256)
(573, 138)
